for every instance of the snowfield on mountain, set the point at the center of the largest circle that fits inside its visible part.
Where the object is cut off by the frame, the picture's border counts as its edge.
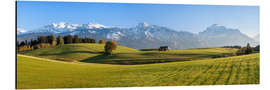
(146, 35)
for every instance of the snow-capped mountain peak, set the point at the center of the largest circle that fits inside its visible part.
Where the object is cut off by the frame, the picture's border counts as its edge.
(143, 25)
(146, 36)
(64, 27)
(95, 25)
(218, 29)
(60, 25)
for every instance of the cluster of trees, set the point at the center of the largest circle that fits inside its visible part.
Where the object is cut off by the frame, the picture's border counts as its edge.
(257, 48)
(40, 42)
(247, 49)
(51, 40)
(68, 39)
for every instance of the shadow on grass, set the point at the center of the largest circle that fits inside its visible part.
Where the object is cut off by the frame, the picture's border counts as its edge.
(117, 59)
(194, 55)
(112, 59)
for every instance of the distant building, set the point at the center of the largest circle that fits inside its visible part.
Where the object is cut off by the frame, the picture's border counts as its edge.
(164, 48)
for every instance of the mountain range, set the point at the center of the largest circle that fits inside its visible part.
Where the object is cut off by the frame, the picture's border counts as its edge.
(145, 35)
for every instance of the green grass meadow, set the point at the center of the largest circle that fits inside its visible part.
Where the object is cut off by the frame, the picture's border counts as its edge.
(122, 55)
(84, 66)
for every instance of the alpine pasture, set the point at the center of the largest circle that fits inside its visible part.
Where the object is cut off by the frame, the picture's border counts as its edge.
(84, 66)
(93, 53)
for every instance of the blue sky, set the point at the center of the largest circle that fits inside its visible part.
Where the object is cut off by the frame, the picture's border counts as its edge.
(192, 18)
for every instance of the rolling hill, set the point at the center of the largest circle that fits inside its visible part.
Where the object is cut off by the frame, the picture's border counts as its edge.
(33, 72)
(75, 52)
(123, 55)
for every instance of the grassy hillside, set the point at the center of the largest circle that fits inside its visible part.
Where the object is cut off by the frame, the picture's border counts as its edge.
(75, 52)
(123, 55)
(44, 73)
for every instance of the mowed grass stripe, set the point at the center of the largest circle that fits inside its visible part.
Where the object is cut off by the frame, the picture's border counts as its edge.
(235, 72)
(244, 73)
(238, 72)
(189, 75)
(37, 73)
(198, 75)
(220, 71)
(178, 76)
(257, 71)
(248, 71)
(224, 79)
(171, 75)
(229, 78)
(254, 75)
(208, 77)
(247, 78)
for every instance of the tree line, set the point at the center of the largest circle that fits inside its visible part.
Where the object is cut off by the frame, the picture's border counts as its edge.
(248, 49)
(51, 40)
(244, 50)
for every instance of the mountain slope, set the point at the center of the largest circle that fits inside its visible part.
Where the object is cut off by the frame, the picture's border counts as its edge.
(216, 35)
(145, 35)
(257, 38)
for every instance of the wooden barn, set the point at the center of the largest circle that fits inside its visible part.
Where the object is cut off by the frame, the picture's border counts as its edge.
(164, 48)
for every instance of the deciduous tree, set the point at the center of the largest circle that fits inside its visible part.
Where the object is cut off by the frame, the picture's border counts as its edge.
(109, 47)
(68, 39)
(76, 39)
(249, 49)
(60, 41)
(101, 42)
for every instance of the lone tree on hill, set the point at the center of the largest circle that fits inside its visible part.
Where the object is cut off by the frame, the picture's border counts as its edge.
(109, 47)
(101, 42)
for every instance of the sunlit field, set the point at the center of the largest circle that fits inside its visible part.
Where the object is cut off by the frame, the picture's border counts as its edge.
(209, 66)
(43, 73)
